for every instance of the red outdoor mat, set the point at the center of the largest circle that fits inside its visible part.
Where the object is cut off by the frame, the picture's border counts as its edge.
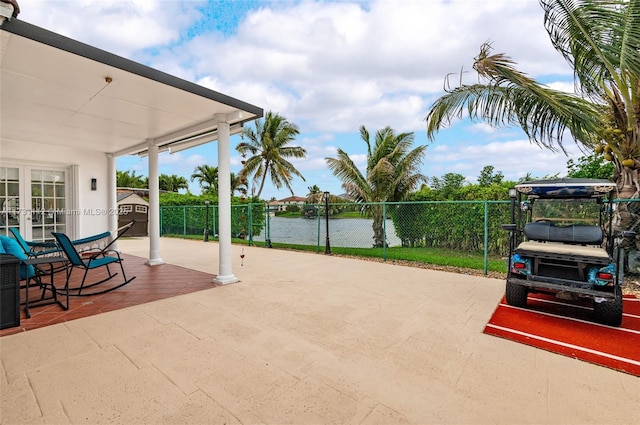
(565, 327)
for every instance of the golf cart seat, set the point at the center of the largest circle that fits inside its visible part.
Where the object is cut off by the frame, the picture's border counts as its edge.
(545, 231)
(576, 239)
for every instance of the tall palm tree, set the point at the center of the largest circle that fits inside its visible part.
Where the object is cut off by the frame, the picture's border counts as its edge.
(601, 41)
(207, 177)
(268, 145)
(392, 173)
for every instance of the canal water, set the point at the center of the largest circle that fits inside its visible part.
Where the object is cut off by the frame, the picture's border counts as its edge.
(343, 232)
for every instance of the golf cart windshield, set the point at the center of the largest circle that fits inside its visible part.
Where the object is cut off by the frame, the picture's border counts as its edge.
(564, 212)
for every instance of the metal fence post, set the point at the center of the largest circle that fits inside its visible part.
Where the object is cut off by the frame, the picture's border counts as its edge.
(486, 237)
(384, 231)
(267, 236)
(184, 221)
(206, 221)
(327, 246)
(318, 233)
(213, 222)
(250, 214)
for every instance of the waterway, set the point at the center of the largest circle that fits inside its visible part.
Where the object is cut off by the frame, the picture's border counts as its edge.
(343, 232)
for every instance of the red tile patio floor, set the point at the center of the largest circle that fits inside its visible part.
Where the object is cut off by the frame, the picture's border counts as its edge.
(151, 284)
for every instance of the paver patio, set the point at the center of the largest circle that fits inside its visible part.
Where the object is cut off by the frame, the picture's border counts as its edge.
(302, 339)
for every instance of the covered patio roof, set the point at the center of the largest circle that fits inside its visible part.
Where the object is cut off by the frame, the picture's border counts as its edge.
(59, 91)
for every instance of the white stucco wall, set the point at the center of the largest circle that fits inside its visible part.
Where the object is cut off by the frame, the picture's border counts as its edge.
(90, 208)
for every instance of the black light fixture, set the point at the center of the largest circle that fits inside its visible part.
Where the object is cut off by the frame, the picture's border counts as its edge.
(327, 247)
(94, 184)
(206, 214)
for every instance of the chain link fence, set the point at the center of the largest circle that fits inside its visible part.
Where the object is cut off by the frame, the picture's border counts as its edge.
(463, 226)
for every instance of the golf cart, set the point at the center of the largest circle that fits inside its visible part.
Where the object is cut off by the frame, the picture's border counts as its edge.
(561, 242)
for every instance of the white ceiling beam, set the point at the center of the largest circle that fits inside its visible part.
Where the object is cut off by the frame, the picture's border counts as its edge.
(201, 140)
(184, 133)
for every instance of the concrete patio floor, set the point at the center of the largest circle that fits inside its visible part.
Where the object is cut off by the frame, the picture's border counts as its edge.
(302, 339)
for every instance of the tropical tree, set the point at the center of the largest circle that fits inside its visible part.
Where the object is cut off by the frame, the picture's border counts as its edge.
(489, 176)
(392, 173)
(313, 190)
(448, 183)
(207, 177)
(601, 41)
(269, 147)
(172, 183)
(315, 195)
(124, 179)
(592, 166)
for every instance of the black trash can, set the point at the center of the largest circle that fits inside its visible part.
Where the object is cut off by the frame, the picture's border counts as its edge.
(9, 291)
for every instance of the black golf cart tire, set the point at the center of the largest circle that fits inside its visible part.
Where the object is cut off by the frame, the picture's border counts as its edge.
(516, 295)
(609, 312)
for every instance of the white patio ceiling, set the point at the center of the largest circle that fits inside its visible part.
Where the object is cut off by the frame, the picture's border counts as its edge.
(58, 91)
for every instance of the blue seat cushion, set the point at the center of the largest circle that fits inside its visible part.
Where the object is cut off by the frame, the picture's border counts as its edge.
(2, 251)
(12, 247)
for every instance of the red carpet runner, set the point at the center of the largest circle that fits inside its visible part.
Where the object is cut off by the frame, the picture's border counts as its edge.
(565, 327)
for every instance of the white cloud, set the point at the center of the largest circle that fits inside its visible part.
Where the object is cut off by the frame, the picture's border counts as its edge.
(332, 66)
(482, 127)
(514, 158)
(121, 27)
(337, 65)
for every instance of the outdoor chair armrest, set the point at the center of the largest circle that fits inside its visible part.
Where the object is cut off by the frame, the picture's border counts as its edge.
(50, 245)
(103, 253)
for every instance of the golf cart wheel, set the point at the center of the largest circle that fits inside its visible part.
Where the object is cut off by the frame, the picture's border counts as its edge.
(609, 312)
(516, 294)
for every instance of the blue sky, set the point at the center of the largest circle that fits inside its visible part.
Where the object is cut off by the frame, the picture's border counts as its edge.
(330, 67)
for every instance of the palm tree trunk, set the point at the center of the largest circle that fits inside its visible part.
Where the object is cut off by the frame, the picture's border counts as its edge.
(264, 178)
(378, 228)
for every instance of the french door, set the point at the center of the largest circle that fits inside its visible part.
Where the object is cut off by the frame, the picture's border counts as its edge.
(34, 200)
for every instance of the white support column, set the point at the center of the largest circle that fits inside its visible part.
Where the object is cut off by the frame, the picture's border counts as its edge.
(225, 274)
(112, 198)
(154, 207)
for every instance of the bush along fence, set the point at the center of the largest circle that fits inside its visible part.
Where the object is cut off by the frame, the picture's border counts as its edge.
(392, 230)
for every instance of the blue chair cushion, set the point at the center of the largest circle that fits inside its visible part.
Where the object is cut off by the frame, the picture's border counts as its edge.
(12, 247)
(2, 251)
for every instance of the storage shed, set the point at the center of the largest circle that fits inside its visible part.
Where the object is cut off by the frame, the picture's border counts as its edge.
(133, 207)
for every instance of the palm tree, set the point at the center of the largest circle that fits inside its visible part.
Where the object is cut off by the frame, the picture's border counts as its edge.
(315, 195)
(207, 177)
(124, 179)
(172, 183)
(313, 190)
(601, 41)
(392, 173)
(269, 148)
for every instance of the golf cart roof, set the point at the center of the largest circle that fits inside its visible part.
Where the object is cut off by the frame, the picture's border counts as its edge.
(566, 188)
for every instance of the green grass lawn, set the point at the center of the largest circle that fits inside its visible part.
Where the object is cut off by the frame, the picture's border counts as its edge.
(434, 256)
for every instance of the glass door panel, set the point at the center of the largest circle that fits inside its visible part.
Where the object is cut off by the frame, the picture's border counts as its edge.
(48, 189)
(9, 199)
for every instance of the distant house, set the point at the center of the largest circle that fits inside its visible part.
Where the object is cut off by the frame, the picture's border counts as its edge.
(291, 200)
(272, 207)
(132, 207)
